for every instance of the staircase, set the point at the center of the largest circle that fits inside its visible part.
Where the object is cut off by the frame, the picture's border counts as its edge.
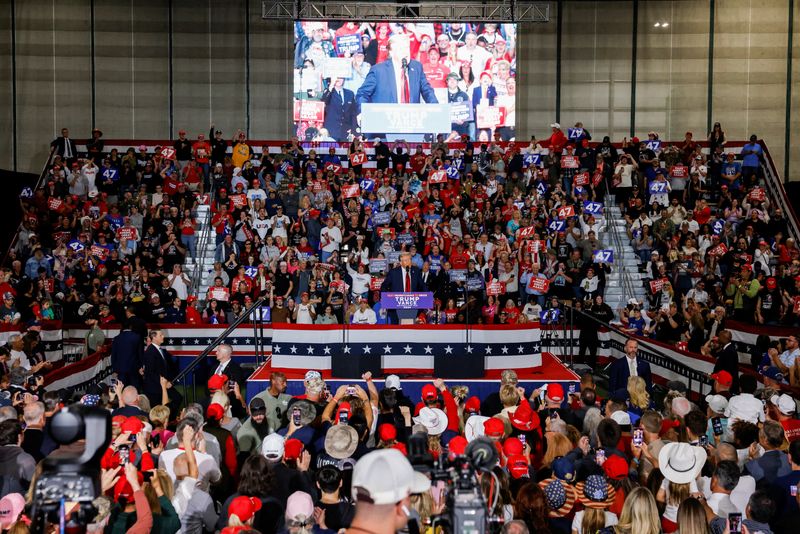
(624, 281)
(198, 268)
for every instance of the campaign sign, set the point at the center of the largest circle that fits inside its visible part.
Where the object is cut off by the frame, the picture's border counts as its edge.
(367, 185)
(679, 171)
(438, 177)
(381, 217)
(532, 160)
(168, 152)
(392, 257)
(54, 203)
(575, 133)
(337, 67)
(569, 162)
(597, 178)
(653, 144)
(99, 252)
(375, 283)
(541, 187)
(474, 284)
(405, 239)
(406, 118)
(377, 265)
(219, 293)
(358, 158)
(111, 174)
(718, 226)
(524, 233)
(490, 116)
(460, 111)
(495, 288)
(26, 193)
(557, 225)
(719, 250)
(238, 201)
(76, 245)
(657, 284)
(333, 167)
(581, 178)
(251, 271)
(539, 284)
(579, 190)
(127, 233)
(566, 211)
(348, 44)
(657, 188)
(593, 208)
(452, 172)
(758, 194)
(458, 275)
(407, 301)
(603, 256)
(350, 191)
(536, 245)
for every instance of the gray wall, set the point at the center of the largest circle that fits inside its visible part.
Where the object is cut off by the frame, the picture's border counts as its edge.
(164, 65)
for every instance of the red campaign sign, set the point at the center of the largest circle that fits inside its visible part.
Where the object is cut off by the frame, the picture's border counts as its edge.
(336, 169)
(203, 200)
(597, 178)
(581, 179)
(490, 116)
(375, 283)
(54, 203)
(99, 252)
(317, 186)
(168, 152)
(566, 211)
(495, 288)
(679, 171)
(438, 177)
(719, 250)
(61, 236)
(569, 162)
(526, 232)
(170, 186)
(534, 246)
(239, 201)
(309, 111)
(539, 284)
(796, 305)
(219, 293)
(357, 158)
(126, 233)
(657, 285)
(350, 191)
(758, 194)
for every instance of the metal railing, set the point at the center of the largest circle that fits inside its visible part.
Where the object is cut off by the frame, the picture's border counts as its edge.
(777, 194)
(202, 247)
(626, 283)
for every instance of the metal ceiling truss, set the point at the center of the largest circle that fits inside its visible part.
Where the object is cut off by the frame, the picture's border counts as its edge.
(472, 11)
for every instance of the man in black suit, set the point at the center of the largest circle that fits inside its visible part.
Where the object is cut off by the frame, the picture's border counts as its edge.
(340, 111)
(226, 366)
(630, 365)
(126, 356)
(137, 324)
(157, 364)
(727, 358)
(403, 279)
(65, 147)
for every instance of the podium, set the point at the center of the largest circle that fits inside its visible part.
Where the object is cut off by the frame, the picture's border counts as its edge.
(406, 305)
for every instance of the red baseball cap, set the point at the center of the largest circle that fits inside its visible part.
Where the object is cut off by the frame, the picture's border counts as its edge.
(429, 392)
(615, 467)
(524, 418)
(457, 445)
(518, 466)
(123, 488)
(494, 427)
(387, 432)
(472, 405)
(292, 449)
(117, 420)
(772, 283)
(215, 411)
(555, 392)
(132, 424)
(723, 377)
(343, 407)
(512, 446)
(217, 382)
(244, 507)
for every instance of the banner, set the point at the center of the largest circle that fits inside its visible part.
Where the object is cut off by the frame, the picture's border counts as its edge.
(657, 284)
(375, 282)
(490, 116)
(377, 265)
(451, 171)
(406, 301)
(718, 226)
(54, 203)
(99, 252)
(557, 225)
(238, 201)
(333, 167)
(569, 162)
(367, 185)
(495, 288)
(719, 250)
(219, 293)
(603, 256)
(679, 171)
(350, 191)
(535, 245)
(458, 275)
(347, 45)
(381, 217)
(581, 179)
(309, 111)
(757, 194)
(542, 285)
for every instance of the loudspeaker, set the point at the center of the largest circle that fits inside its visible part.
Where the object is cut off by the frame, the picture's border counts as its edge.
(354, 365)
(459, 365)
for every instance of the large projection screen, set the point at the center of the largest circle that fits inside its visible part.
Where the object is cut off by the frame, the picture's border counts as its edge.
(463, 70)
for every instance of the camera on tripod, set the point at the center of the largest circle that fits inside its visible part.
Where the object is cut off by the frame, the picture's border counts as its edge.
(466, 510)
(64, 492)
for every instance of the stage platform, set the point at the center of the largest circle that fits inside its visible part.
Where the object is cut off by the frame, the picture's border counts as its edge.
(552, 370)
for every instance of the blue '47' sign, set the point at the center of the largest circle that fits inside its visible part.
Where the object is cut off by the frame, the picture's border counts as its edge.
(658, 187)
(593, 208)
(605, 255)
(532, 160)
(557, 225)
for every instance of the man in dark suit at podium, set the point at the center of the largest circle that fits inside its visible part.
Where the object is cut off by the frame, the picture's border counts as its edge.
(403, 279)
(630, 365)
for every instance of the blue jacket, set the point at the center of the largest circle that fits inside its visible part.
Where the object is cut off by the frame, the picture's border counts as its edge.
(619, 373)
(380, 86)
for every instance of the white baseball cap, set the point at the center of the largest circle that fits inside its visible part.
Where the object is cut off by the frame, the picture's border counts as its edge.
(393, 381)
(717, 403)
(785, 404)
(312, 374)
(622, 418)
(555, 125)
(385, 476)
(272, 447)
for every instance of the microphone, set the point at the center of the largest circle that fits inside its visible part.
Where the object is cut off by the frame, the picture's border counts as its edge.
(404, 64)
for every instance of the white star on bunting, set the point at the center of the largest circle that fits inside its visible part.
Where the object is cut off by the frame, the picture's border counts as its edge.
(407, 349)
(448, 349)
(293, 349)
(428, 349)
(327, 350)
(387, 349)
(367, 349)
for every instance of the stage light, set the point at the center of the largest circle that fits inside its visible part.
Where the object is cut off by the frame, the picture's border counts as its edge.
(657, 24)
(664, 24)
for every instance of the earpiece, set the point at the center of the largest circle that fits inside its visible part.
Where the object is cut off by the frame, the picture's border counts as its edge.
(405, 510)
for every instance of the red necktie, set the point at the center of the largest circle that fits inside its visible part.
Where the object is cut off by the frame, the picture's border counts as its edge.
(408, 281)
(404, 81)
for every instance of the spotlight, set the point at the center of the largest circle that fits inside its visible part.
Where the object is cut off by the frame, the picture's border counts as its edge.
(664, 24)
(657, 25)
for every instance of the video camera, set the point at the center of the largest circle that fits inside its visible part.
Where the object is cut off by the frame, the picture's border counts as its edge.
(64, 492)
(466, 510)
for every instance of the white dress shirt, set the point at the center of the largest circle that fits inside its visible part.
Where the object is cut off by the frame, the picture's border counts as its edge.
(744, 407)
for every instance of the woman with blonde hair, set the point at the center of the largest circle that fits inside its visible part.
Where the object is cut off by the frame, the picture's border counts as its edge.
(557, 445)
(640, 398)
(692, 517)
(639, 514)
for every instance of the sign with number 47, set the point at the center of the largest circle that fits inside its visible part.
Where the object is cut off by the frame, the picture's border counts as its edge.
(603, 256)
